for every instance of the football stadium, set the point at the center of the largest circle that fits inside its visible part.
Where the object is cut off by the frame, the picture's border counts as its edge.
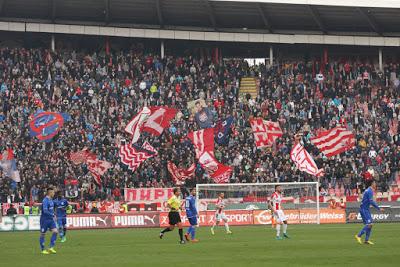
(199, 133)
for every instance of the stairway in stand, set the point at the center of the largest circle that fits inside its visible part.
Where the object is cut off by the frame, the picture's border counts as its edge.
(248, 85)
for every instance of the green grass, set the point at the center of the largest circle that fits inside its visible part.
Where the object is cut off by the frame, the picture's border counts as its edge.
(310, 245)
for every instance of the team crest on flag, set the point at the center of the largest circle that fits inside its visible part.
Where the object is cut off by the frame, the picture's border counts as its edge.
(222, 131)
(45, 124)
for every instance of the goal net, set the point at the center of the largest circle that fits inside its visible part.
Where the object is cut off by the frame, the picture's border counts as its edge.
(299, 200)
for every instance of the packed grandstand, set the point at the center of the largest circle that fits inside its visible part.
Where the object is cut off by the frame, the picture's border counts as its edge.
(247, 132)
(102, 90)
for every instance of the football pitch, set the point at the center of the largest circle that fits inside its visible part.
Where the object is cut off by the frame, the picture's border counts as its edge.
(310, 245)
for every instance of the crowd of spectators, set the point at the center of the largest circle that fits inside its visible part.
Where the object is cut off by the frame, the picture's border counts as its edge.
(102, 92)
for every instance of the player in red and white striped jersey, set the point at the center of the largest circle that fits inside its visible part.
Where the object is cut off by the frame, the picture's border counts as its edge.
(220, 215)
(280, 218)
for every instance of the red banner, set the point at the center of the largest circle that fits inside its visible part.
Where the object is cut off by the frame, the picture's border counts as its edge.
(147, 194)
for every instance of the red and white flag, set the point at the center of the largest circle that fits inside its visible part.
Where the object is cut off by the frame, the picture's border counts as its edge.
(265, 132)
(97, 168)
(135, 125)
(334, 141)
(179, 175)
(203, 141)
(159, 119)
(223, 175)
(79, 157)
(146, 145)
(304, 162)
(133, 156)
(218, 171)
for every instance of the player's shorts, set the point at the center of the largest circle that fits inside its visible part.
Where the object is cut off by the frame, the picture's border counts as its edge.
(220, 216)
(366, 216)
(279, 216)
(193, 220)
(47, 224)
(61, 222)
(174, 217)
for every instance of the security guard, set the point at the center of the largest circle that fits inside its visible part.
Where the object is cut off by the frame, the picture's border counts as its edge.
(35, 210)
(69, 209)
(27, 209)
(125, 207)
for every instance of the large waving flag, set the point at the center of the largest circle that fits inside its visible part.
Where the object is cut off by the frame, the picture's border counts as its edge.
(334, 141)
(180, 175)
(304, 162)
(222, 131)
(203, 141)
(80, 157)
(135, 125)
(133, 156)
(218, 171)
(45, 124)
(9, 165)
(97, 168)
(158, 120)
(265, 132)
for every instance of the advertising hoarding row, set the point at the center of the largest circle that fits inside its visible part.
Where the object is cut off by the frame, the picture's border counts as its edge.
(160, 219)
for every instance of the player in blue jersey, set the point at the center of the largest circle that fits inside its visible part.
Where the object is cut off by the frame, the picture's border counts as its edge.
(61, 211)
(367, 201)
(191, 214)
(47, 222)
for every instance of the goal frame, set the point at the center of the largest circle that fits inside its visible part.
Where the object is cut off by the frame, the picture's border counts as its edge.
(316, 183)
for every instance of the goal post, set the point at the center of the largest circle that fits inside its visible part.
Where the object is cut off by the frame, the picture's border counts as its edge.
(296, 198)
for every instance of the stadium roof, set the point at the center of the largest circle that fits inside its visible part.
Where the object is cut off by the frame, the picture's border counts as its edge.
(362, 17)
